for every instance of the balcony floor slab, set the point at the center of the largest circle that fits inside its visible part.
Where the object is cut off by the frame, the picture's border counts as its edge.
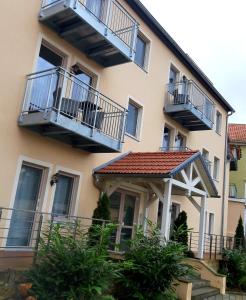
(69, 131)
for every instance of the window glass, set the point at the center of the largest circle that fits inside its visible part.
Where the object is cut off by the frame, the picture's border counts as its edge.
(172, 80)
(63, 195)
(216, 168)
(179, 142)
(211, 223)
(218, 122)
(233, 191)
(140, 52)
(166, 138)
(80, 91)
(132, 119)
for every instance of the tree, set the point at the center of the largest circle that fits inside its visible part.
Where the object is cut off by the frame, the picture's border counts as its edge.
(100, 214)
(239, 238)
(102, 211)
(180, 229)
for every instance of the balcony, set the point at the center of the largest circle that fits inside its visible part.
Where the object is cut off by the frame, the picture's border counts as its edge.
(103, 30)
(60, 106)
(189, 106)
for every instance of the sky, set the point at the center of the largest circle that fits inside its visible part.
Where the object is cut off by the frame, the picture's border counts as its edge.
(213, 33)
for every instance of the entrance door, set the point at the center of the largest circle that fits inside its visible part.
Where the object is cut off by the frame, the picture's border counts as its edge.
(63, 195)
(123, 209)
(26, 199)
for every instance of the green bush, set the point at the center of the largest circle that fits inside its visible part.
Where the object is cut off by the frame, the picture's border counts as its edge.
(180, 229)
(152, 268)
(69, 268)
(233, 266)
(239, 238)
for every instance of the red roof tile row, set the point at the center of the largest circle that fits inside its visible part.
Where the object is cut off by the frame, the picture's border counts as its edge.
(237, 133)
(146, 163)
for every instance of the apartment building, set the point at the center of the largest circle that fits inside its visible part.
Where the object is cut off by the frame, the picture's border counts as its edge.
(237, 178)
(96, 96)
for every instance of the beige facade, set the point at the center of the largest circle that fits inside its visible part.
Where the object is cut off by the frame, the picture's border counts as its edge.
(19, 51)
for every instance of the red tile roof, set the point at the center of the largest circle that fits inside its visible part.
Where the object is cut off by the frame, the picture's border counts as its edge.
(237, 133)
(155, 163)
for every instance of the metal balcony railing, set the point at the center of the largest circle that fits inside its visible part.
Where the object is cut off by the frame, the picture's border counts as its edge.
(112, 14)
(214, 244)
(189, 93)
(175, 149)
(60, 91)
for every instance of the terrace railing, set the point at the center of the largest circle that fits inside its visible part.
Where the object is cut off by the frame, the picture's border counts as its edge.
(189, 93)
(112, 14)
(60, 91)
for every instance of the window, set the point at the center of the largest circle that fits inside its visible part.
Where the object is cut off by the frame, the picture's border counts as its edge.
(232, 191)
(141, 52)
(211, 223)
(218, 122)
(166, 138)
(173, 78)
(64, 194)
(216, 168)
(180, 142)
(174, 213)
(133, 119)
(205, 155)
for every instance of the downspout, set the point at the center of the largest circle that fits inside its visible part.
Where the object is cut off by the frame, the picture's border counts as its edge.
(224, 176)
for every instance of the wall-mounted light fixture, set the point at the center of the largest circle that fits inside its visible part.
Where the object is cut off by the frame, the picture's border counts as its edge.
(54, 179)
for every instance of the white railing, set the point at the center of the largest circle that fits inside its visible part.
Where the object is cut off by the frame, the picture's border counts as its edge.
(189, 93)
(60, 91)
(112, 14)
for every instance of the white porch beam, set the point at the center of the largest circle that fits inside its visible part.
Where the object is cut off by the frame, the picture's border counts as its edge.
(202, 227)
(202, 182)
(166, 211)
(193, 201)
(196, 181)
(185, 177)
(157, 191)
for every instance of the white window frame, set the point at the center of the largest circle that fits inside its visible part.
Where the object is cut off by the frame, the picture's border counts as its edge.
(211, 223)
(139, 124)
(218, 124)
(76, 188)
(147, 41)
(216, 168)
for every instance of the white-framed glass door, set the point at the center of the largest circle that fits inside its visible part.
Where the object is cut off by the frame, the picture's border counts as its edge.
(124, 210)
(64, 194)
(27, 202)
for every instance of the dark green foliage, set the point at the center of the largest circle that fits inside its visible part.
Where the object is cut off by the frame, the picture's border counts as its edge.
(69, 268)
(233, 266)
(239, 239)
(151, 268)
(102, 211)
(180, 229)
(100, 215)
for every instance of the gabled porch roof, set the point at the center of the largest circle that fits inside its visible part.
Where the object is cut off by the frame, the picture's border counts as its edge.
(157, 165)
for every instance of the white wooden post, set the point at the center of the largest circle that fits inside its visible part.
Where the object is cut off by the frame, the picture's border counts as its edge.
(166, 210)
(202, 227)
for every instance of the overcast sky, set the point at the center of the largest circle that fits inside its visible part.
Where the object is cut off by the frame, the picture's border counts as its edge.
(213, 33)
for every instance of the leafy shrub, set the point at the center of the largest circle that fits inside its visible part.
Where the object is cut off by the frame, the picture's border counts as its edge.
(180, 229)
(69, 268)
(152, 268)
(239, 237)
(233, 266)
